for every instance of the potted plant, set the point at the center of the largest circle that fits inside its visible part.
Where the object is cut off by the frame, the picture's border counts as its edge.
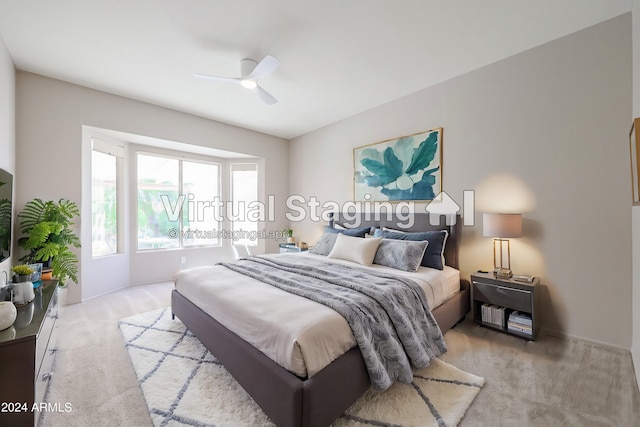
(48, 236)
(22, 286)
(22, 273)
(289, 234)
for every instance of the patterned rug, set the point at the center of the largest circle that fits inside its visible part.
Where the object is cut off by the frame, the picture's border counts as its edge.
(183, 384)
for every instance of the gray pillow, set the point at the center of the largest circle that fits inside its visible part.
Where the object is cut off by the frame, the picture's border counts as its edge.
(325, 244)
(401, 254)
(354, 232)
(434, 255)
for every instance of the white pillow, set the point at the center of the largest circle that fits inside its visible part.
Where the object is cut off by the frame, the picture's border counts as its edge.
(355, 249)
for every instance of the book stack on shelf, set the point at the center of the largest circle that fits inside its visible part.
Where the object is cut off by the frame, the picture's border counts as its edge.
(493, 315)
(520, 323)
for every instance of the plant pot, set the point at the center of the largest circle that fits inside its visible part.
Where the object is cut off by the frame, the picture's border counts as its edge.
(19, 278)
(46, 275)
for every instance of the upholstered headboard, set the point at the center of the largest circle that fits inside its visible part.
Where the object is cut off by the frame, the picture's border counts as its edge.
(420, 222)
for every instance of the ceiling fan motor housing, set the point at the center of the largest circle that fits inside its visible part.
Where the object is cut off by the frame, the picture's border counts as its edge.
(247, 66)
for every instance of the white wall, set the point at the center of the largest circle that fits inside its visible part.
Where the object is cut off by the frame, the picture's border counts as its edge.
(7, 130)
(50, 119)
(635, 211)
(553, 120)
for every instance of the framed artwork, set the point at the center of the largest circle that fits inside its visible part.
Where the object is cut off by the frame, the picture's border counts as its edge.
(405, 168)
(634, 154)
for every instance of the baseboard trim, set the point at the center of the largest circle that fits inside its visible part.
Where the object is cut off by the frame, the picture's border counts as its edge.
(105, 293)
(564, 335)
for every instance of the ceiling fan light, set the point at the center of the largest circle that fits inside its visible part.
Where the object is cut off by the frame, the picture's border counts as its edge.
(249, 84)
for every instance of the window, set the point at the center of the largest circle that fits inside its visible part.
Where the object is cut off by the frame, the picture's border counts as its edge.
(157, 176)
(176, 200)
(246, 209)
(105, 164)
(201, 217)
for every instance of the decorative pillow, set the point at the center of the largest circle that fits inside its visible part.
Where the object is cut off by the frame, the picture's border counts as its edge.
(434, 255)
(401, 254)
(355, 232)
(325, 244)
(355, 249)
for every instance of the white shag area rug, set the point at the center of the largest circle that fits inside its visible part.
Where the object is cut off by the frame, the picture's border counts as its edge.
(183, 384)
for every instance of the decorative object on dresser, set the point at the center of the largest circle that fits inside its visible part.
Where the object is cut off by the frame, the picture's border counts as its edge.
(36, 276)
(502, 226)
(22, 273)
(22, 287)
(7, 314)
(634, 153)
(506, 305)
(26, 356)
(405, 168)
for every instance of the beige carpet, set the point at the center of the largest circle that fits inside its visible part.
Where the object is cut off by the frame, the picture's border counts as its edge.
(183, 384)
(549, 382)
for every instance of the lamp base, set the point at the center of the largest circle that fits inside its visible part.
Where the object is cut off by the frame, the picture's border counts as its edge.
(502, 273)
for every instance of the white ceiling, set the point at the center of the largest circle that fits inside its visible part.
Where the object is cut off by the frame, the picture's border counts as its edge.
(338, 57)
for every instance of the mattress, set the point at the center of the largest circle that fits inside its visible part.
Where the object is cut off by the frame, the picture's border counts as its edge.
(301, 335)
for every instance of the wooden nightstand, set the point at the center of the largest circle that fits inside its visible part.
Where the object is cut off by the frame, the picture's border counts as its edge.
(505, 305)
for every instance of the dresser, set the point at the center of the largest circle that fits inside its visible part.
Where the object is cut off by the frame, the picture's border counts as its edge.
(26, 357)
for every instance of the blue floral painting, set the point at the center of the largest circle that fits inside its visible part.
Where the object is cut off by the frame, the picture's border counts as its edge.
(406, 168)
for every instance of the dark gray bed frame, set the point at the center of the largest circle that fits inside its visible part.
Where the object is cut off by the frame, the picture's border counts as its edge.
(291, 401)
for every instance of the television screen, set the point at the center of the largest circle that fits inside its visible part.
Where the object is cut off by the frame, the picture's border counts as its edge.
(6, 187)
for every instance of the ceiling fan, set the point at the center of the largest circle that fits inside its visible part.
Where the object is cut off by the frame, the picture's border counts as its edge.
(250, 73)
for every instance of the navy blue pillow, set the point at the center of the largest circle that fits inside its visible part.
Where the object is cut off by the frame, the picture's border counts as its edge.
(354, 232)
(433, 255)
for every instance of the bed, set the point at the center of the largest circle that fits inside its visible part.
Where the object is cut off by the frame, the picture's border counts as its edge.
(295, 400)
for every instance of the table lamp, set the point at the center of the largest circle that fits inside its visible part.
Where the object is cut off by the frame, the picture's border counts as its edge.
(501, 227)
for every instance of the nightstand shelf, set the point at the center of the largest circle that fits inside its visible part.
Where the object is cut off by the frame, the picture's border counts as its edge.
(505, 305)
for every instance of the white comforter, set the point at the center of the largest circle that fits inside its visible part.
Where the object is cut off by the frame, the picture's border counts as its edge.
(300, 335)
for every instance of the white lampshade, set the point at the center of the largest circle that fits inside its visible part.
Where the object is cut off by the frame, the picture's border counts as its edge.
(501, 225)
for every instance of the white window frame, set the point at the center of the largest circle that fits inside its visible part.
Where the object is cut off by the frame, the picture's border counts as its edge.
(118, 151)
(244, 166)
(180, 158)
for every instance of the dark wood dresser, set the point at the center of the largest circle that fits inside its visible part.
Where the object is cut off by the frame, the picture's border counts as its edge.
(26, 357)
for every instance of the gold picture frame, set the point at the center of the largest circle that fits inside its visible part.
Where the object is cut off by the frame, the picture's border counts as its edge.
(634, 155)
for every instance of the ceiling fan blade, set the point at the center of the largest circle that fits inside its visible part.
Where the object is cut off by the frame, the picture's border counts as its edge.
(265, 96)
(216, 78)
(264, 67)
